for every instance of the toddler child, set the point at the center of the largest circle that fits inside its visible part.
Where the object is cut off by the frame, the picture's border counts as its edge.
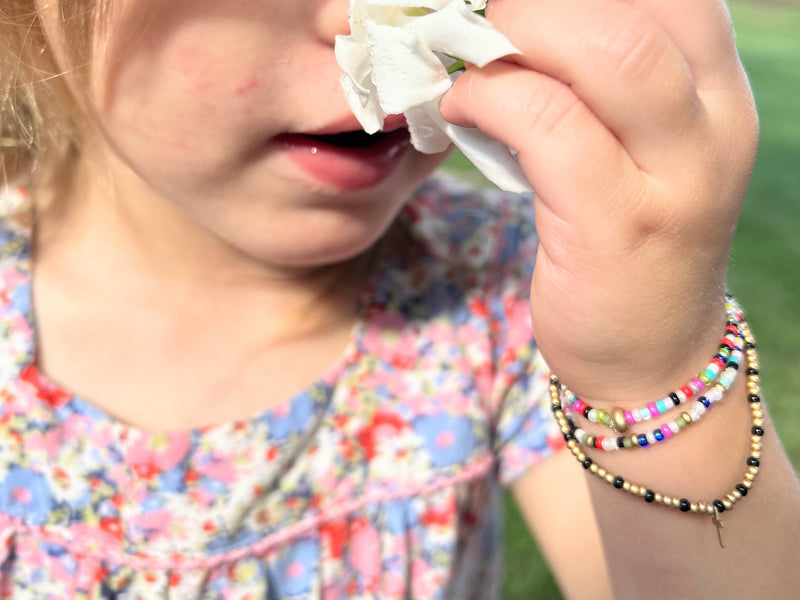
(249, 351)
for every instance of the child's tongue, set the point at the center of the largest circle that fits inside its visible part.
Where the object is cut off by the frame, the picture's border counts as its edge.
(351, 160)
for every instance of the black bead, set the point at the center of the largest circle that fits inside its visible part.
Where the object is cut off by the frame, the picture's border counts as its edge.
(728, 295)
(618, 482)
(752, 461)
(620, 442)
(706, 402)
(719, 505)
(649, 496)
(757, 430)
(752, 371)
(750, 345)
(568, 437)
(742, 489)
(732, 365)
(555, 407)
(685, 506)
(754, 398)
(674, 397)
(586, 411)
(587, 462)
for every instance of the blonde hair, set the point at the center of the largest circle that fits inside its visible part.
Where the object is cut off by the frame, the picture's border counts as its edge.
(39, 114)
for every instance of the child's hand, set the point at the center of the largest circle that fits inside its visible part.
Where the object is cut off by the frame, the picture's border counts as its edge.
(636, 127)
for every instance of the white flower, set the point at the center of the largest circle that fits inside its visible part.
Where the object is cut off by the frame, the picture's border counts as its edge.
(395, 62)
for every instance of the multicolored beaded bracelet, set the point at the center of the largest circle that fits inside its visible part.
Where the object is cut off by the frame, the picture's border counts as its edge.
(666, 430)
(713, 508)
(619, 419)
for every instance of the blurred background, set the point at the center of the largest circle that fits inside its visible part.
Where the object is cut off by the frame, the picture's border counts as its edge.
(764, 271)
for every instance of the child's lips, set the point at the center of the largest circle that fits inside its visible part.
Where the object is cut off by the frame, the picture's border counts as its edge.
(347, 160)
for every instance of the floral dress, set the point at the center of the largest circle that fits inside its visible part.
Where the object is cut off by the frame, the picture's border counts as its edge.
(381, 480)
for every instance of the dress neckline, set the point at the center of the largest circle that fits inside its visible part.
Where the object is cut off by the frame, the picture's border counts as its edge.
(16, 271)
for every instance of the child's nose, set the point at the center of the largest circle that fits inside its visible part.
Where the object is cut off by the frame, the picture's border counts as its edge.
(331, 20)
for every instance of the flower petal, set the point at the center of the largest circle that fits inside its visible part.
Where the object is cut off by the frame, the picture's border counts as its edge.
(364, 105)
(492, 158)
(430, 4)
(457, 31)
(404, 72)
(427, 135)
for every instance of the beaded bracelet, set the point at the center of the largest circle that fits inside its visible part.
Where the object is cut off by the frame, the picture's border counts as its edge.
(713, 508)
(619, 419)
(666, 430)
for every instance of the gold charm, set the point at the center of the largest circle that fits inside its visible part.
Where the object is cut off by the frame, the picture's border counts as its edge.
(719, 525)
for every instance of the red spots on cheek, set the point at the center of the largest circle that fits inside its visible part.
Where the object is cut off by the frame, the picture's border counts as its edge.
(193, 62)
(248, 85)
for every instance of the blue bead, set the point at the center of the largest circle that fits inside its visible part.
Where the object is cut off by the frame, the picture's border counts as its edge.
(658, 435)
(706, 402)
(642, 439)
(661, 406)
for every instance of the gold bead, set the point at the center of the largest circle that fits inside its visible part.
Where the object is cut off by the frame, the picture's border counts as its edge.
(659, 498)
(756, 439)
(572, 444)
(609, 478)
(727, 504)
(667, 500)
(758, 422)
(749, 477)
(756, 453)
(686, 417)
(710, 509)
(754, 377)
(736, 493)
(747, 483)
(593, 468)
(626, 486)
(753, 470)
(731, 498)
(589, 441)
(634, 488)
(581, 456)
(693, 507)
(618, 416)
(701, 507)
(676, 502)
(642, 491)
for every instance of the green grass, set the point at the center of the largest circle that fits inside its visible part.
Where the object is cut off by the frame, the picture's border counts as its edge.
(764, 270)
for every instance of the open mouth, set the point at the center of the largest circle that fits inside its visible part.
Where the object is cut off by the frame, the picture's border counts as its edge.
(349, 160)
(350, 139)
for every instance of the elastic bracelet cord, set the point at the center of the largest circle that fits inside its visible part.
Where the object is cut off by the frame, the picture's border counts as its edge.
(619, 419)
(666, 430)
(713, 508)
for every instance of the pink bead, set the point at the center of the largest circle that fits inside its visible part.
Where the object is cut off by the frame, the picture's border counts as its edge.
(629, 417)
(666, 430)
(653, 410)
(699, 383)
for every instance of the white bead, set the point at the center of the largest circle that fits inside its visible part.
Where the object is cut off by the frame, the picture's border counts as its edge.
(651, 439)
(592, 416)
(673, 426)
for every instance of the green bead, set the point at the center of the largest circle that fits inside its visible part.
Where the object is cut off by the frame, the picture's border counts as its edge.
(627, 443)
(680, 422)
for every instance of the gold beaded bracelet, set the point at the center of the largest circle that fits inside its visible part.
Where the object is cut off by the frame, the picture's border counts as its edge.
(714, 508)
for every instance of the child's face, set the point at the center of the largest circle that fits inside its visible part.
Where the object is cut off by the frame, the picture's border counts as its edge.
(201, 98)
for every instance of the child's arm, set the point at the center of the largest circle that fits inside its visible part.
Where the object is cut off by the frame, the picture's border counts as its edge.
(635, 124)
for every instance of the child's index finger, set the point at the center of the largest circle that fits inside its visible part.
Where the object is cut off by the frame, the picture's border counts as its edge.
(620, 61)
